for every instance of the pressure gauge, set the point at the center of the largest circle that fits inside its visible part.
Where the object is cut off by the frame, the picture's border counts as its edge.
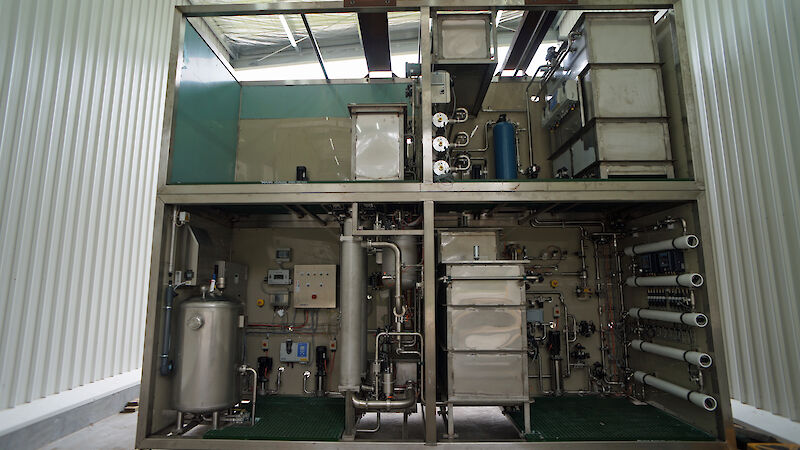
(440, 144)
(441, 167)
(440, 120)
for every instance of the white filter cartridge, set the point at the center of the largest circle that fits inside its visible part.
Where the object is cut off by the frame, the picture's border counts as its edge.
(704, 401)
(697, 358)
(690, 280)
(680, 243)
(690, 318)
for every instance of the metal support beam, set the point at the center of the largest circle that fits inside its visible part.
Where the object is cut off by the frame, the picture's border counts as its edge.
(314, 45)
(544, 24)
(521, 39)
(425, 87)
(374, 29)
(529, 36)
(429, 280)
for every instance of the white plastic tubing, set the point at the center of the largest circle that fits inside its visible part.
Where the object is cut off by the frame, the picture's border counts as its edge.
(704, 401)
(681, 243)
(690, 318)
(698, 359)
(690, 280)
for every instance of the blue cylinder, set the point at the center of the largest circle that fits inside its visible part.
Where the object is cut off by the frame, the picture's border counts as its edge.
(505, 150)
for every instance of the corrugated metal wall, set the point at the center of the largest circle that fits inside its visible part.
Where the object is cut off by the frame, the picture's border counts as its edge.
(81, 103)
(745, 57)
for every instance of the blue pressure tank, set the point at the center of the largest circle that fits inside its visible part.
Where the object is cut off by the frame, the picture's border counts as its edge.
(505, 149)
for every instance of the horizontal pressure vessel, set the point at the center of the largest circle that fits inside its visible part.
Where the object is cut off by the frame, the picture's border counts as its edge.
(697, 358)
(689, 318)
(681, 243)
(704, 401)
(690, 280)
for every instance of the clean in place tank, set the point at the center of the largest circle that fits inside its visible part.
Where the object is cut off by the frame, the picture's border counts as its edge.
(505, 149)
(208, 355)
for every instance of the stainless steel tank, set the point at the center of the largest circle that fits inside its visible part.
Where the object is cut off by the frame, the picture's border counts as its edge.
(208, 355)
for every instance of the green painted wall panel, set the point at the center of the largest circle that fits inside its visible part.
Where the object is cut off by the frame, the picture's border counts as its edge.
(319, 100)
(207, 117)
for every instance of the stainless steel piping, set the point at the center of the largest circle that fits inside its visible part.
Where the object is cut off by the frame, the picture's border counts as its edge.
(242, 370)
(398, 309)
(388, 405)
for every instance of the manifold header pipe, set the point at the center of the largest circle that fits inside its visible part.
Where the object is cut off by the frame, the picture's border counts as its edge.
(704, 401)
(697, 358)
(690, 280)
(690, 318)
(686, 242)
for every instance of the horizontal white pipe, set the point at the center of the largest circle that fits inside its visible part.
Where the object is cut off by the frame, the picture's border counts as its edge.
(698, 359)
(704, 401)
(690, 318)
(680, 243)
(690, 280)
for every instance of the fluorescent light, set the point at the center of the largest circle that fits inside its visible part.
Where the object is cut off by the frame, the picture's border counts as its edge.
(380, 74)
(497, 19)
(288, 31)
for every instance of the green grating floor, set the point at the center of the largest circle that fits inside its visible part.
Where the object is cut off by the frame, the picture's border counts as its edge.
(290, 419)
(603, 419)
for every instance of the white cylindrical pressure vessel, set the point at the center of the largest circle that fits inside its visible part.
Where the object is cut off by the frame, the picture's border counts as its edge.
(697, 358)
(681, 243)
(690, 318)
(690, 280)
(704, 401)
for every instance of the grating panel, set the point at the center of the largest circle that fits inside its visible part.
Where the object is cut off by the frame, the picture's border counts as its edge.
(603, 419)
(290, 419)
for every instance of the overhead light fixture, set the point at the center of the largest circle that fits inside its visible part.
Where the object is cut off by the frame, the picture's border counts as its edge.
(380, 74)
(288, 32)
(499, 16)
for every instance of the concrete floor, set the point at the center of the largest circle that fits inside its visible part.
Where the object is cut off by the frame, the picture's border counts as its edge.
(117, 432)
(471, 423)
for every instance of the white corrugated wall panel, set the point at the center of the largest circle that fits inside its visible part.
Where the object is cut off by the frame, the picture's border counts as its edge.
(745, 57)
(82, 84)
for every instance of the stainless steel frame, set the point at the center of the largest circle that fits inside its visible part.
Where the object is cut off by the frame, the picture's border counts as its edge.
(428, 193)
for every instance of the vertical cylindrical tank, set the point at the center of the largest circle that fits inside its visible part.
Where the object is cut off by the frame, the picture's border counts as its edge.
(505, 149)
(207, 361)
(409, 256)
(352, 296)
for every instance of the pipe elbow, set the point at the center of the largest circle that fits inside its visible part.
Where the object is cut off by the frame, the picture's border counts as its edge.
(387, 405)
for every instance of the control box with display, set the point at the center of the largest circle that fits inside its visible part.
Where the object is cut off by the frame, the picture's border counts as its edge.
(315, 286)
(294, 351)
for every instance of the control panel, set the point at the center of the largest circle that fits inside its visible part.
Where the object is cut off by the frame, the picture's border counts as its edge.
(294, 351)
(315, 286)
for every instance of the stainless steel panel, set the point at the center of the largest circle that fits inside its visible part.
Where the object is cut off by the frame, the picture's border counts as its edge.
(620, 38)
(486, 328)
(458, 245)
(468, 374)
(485, 292)
(623, 92)
(623, 141)
(209, 349)
(463, 37)
(378, 140)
